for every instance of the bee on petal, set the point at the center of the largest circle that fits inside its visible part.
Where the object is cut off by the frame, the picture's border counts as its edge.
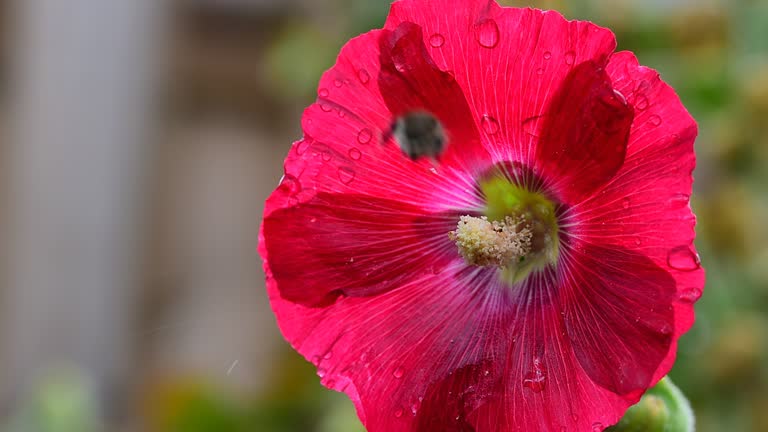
(419, 134)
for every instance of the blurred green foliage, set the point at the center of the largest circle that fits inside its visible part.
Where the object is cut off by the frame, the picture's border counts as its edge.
(62, 403)
(715, 54)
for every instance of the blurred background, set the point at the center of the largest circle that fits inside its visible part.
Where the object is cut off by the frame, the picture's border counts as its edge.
(141, 137)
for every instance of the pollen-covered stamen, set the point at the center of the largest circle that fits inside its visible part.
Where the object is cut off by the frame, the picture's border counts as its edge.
(492, 243)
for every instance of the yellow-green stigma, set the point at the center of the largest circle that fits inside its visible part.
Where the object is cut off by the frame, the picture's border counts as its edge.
(518, 233)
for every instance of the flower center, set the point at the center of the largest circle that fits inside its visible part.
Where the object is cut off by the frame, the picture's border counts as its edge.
(492, 243)
(518, 233)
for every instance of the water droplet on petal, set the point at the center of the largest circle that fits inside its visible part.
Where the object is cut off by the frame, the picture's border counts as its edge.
(604, 112)
(625, 203)
(328, 355)
(364, 136)
(536, 378)
(683, 258)
(338, 82)
(665, 329)
(534, 381)
(690, 295)
(323, 92)
(597, 427)
(654, 120)
(321, 372)
(326, 155)
(398, 373)
(547, 55)
(302, 147)
(655, 323)
(641, 103)
(363, 76)
(531, 126)
(346, 175)
(399, 412)
(679, 200)
(570, 57)
(487, 33)
(415, 407)
(325, 107)
(354, 154)
(436, 40)
(540, 71)
(490, 125)
(643, 86)
(619, 96)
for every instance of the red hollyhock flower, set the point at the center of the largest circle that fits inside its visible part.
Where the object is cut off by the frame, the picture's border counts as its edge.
(538, 275)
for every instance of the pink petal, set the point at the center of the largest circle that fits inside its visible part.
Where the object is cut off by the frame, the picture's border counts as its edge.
(346, 146)
(584, 133)
(385, 350)
(509, 62)
(460, 350)
(645, 208)
(618, 314)
(410, 81)
(353, 245)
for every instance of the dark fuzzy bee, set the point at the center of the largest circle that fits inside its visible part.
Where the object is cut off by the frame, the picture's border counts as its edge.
(419, 134)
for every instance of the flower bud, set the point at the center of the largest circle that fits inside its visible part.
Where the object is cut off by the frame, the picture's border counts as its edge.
(663, 408)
